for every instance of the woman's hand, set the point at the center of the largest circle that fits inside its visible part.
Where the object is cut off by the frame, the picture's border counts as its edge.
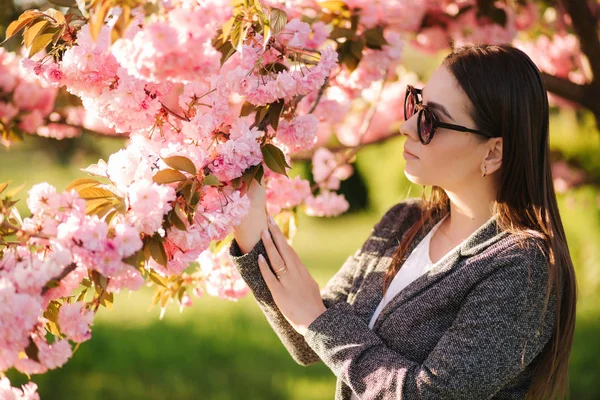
(295, 291)
(247, 233)
(256, 193)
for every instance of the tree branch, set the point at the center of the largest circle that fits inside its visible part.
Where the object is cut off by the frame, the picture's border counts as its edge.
(307, 155)
(585, 25)
(586, 95)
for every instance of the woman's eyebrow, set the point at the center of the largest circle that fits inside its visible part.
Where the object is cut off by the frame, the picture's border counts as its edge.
(439, 107)
(436, 106)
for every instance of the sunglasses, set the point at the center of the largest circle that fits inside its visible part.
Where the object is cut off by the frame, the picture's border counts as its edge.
(427, 121)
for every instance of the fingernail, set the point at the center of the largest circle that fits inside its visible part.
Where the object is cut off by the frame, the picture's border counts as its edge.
(265, 233)
(261, 258)
(271, 221)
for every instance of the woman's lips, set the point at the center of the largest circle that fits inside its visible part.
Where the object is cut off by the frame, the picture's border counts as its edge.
(409, 155)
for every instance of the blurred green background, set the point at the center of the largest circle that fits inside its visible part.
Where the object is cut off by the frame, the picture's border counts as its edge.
(226, 350)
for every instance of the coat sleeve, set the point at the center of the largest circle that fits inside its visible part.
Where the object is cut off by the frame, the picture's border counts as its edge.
(495, 335)
(335, 291)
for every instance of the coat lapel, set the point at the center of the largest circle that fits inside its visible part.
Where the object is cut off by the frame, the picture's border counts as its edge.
(479, 240)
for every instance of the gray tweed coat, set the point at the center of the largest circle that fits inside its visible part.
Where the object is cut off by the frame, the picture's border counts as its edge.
(469, 328)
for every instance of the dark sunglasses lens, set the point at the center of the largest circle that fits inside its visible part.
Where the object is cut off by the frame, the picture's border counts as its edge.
(426, 125)
(409, 105)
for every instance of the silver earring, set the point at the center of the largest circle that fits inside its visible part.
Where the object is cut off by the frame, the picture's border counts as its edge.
(483, 171)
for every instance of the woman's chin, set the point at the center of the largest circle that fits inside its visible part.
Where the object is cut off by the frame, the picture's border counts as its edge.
(412, 177)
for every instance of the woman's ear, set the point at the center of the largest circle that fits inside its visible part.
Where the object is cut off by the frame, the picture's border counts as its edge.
(493, 159)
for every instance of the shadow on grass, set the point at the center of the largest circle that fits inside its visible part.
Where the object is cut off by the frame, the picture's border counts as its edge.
(189, 360)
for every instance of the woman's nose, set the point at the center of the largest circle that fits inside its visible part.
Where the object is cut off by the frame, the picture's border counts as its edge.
(409, 128)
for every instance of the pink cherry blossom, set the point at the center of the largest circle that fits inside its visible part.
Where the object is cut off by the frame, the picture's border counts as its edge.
(27, 391)
(43, 198)
(75, 321)
(148, 202)
(222, 279)
(328, 170)
(326, 204)
(285, 193)
(298, 134)
(53, 355)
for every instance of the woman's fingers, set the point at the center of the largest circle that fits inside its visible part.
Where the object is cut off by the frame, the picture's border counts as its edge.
(267, 274)
(286, 251)
(275, 258)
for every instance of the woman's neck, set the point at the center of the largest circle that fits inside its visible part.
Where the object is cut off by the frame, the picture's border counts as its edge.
(467, 214)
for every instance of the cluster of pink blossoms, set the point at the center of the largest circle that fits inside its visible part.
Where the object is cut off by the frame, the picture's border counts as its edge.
(27, 392)
(221, 279)
(24, 100)
(27, 102)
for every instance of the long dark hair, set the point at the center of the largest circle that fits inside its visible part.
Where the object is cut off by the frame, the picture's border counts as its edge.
(512, 103)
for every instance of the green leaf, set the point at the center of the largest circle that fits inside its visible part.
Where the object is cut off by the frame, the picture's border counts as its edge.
(63, 3)
(107, 299)
(158, 252)
(356, 47)
(24, 20)
(254, 172)
(237, 34)
(51, 312)
(247, 108)
(159, 280)
(81, 296)
(100, 281)
(275, 111)
(168, 176)
(158, 291)
(94, 204)
(258, 7)
(226, 28)
(40, 43)
(274, 158)
(32, 351)
(13, 192)
(211, 180)
(15, 27)
(374, 38)
(175, 220)
(277, 20)
(34, 31)
(334, 6)
(135, 260)
(340, 32)
(261, 112)
(3, 186)
(180, 293)
(103, 211)
(186, 190)
(95, 193)
(164, 299)
(53, 328)
(225, 48)
(347, 57)
(82, 183)
(181, 163)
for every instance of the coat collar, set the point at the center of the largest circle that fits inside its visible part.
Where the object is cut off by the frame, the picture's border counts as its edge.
(479, 240)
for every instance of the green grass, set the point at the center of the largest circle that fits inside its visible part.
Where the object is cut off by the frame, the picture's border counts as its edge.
(226, 350)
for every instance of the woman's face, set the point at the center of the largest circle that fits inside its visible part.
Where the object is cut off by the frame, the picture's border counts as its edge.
(452, 158)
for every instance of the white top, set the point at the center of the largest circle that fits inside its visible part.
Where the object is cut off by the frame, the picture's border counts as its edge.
(417, 263)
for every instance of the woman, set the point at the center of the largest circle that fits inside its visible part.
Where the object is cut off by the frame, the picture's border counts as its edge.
(479, 285)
